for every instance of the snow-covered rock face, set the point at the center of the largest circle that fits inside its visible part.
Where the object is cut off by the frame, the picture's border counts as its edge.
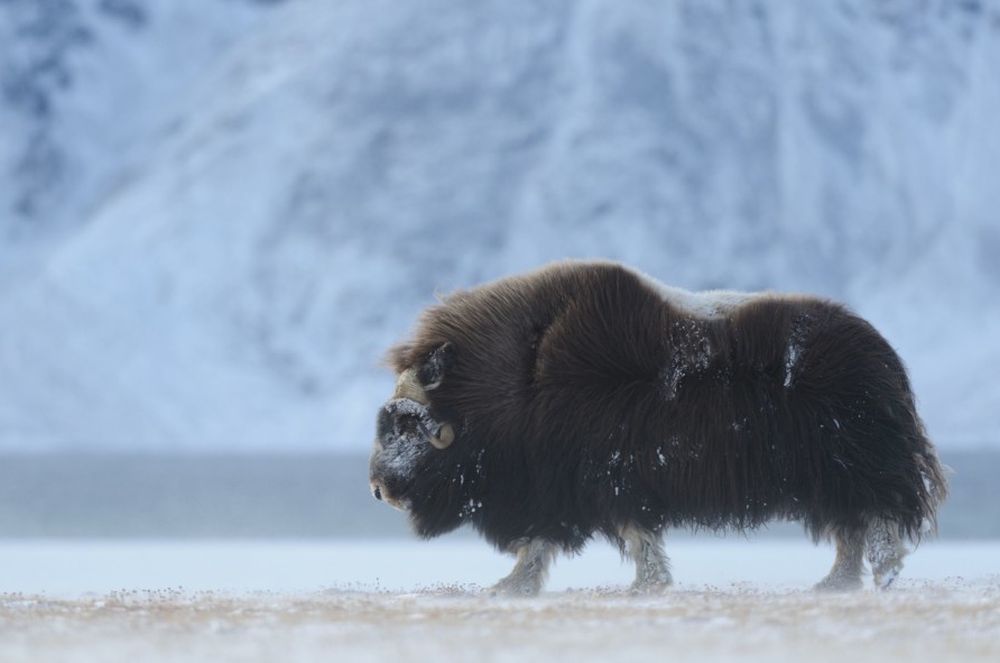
(87, 88)
(252, 200)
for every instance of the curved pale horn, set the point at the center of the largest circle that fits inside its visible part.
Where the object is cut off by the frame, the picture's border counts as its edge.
(407, 386)
(444, 437)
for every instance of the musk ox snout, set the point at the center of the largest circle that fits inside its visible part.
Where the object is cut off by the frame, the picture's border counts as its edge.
(404, 420)
(405, 433)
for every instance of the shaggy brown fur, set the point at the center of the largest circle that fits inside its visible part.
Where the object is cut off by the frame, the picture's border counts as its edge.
(585, 401)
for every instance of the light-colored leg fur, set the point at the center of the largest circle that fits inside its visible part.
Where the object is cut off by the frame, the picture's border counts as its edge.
(534, 556)
(846, 572)
(652, 566)
(885, 552)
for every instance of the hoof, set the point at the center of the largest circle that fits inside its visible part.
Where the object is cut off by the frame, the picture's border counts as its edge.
(829, 584)
(514, 589)
(650, 588)
(885, 579)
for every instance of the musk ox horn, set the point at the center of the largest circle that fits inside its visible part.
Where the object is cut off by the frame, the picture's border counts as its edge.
(445, 436)
(407, 386)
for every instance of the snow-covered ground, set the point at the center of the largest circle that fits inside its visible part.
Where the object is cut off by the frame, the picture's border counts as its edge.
(341, 601)
(74, 567)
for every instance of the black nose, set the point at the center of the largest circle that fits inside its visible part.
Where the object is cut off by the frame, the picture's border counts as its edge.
(377, 493)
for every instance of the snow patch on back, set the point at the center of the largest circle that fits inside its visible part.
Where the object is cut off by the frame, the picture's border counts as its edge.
(692, 353)
(793, 351)
(791, 359)
(703, 304)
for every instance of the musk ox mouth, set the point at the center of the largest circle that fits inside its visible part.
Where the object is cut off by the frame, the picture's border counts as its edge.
(380, 493)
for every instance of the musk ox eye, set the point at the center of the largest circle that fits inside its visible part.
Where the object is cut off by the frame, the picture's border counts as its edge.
(433, 370)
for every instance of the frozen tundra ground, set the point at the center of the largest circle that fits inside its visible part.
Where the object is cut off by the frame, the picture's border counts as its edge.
(337, 601)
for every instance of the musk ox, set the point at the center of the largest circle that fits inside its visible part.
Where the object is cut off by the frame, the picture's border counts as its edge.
(586, 398)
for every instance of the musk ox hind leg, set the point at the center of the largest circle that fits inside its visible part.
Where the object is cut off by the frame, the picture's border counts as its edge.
(534, 556)
(846, 572)
(652, 566)
(885, 551)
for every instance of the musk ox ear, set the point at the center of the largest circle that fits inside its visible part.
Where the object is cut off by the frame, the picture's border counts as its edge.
(434, 368)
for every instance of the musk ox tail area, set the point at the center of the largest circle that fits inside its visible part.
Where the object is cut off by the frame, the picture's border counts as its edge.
(935, 487)
(878, 469)
(884, 535)
(931, 484)
(886, 530)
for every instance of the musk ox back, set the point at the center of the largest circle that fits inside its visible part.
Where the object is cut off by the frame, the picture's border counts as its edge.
(587, 399)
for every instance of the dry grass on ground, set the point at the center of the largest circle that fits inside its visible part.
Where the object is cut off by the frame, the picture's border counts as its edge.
(952, 620)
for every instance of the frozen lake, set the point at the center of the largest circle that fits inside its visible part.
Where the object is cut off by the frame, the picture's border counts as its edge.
(254, 600)
(71, 568)
(372, 601)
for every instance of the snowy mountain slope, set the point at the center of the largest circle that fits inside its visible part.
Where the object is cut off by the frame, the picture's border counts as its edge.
(87, 88)
(344, 161)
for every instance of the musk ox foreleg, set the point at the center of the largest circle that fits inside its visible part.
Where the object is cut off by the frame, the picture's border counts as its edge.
(885, 551)
(846, 572)
(534, 556)
(652, 566)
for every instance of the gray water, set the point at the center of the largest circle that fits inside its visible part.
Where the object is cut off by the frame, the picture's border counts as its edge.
(297, 496)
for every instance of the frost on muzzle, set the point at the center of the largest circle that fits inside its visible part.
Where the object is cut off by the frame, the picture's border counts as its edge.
(410, 422)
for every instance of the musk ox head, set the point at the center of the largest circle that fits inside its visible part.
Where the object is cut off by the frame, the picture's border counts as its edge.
(409, 431)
